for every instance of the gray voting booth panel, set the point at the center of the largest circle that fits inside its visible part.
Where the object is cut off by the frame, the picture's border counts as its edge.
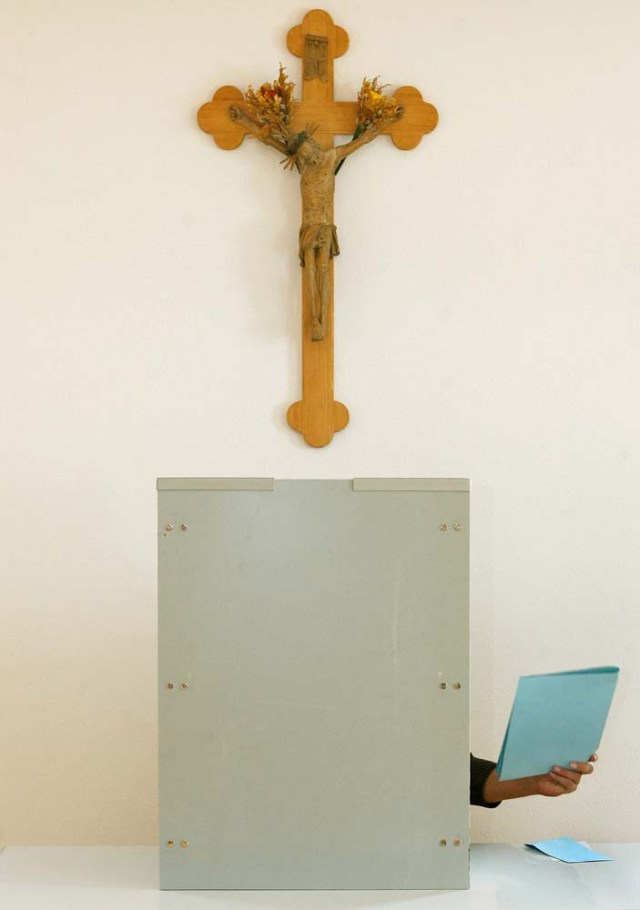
(313, 684)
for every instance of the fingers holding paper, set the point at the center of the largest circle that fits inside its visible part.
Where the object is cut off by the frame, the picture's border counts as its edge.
(564, 780)
(557, 782)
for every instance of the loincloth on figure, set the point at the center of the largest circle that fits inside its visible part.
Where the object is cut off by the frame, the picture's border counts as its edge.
(313, 236)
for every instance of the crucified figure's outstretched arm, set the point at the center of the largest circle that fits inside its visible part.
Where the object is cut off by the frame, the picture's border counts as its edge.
(261, 132)
(367, 135)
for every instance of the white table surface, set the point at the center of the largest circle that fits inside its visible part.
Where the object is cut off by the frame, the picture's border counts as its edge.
(503, 877)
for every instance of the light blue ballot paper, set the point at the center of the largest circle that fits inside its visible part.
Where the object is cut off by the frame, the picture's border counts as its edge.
(569, 850)
(556, 718)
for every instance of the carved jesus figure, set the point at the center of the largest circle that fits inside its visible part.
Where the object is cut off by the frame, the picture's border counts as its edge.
(318, 241)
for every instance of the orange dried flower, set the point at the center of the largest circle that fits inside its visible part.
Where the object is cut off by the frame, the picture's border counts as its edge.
(272, 104)
(374, 107)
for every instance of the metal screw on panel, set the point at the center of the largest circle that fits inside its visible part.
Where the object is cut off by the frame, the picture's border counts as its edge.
(444, 527)
(184, 686)
(457, 685)
(169, 685)
(168, 527)
(457, 842)
(443, 842)
(171, 843)
(443, 685)
(184, 843)
(457, 527)
(184, 527)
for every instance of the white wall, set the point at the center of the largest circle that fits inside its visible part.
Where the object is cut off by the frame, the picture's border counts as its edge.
(487, 326)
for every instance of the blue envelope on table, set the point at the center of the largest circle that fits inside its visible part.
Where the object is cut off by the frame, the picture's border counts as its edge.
(556, 718)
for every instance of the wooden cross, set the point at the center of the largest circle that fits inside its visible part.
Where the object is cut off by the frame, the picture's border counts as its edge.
(318, 42)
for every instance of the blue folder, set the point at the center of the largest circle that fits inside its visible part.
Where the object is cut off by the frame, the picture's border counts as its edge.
(556, 718)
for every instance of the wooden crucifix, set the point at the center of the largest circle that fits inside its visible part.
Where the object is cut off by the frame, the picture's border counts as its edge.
(310, 148)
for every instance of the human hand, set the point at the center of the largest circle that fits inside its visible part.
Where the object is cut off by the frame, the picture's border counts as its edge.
(557, 782)
(564, 780)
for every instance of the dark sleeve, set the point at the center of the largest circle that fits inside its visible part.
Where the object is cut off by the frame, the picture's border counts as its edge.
(480, 771)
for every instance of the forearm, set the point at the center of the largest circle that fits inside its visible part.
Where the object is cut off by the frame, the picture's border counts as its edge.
(260, 131)
(367, 135)
(496, 790)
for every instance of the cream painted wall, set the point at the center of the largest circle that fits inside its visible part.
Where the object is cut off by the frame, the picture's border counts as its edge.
(487, 326)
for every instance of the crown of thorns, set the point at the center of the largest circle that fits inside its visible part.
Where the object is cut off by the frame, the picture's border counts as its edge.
(294, 142)
(297, 140)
